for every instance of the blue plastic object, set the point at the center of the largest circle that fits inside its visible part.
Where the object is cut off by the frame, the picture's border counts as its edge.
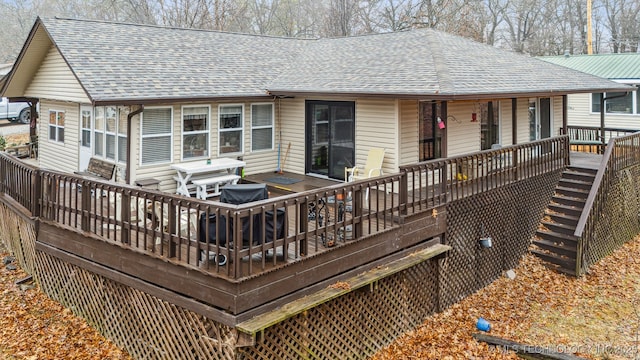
(483, 325)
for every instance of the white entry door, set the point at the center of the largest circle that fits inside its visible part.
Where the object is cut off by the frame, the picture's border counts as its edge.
(86, 124)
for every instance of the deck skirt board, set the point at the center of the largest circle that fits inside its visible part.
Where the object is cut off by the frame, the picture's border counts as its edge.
(265, 320)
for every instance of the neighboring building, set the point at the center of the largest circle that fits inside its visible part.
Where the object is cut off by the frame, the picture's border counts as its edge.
(584, 109)
(212, 94)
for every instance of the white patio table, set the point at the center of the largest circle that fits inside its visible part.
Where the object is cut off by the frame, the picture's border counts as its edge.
(186, 170)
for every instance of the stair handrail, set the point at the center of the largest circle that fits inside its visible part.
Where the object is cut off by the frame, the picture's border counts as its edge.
(595, 187)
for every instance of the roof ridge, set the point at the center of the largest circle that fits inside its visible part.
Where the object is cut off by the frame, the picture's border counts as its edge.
(176, 28)
(442, 70)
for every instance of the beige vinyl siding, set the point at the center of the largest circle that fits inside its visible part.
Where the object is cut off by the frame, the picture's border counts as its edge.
(377, 126)
(523, 120)
(54, 80)
(292, 123)
(579, 114)
(463, 135)
(409, 132)
(556, 117)
(52, 154)
(506, 122)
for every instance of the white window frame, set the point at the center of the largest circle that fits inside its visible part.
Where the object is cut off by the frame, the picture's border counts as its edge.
(111, 134)
(272, 126)
(100, 132)
(142, 137)
(122, 134)
(119, 135)
(207, 131)
(56, 127)
(241, 129)
(635, 110)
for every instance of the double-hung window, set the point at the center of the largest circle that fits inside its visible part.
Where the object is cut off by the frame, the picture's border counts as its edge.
(110, 133)
(230, 129)
(123, 113)
(156, 136)
(261, 127)
(195, 132)
(56, 126)
(98, 131)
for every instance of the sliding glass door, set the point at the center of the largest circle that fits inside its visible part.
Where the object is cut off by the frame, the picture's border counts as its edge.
(330, 134)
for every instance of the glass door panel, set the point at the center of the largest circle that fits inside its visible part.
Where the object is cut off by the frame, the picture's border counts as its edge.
(330, 137)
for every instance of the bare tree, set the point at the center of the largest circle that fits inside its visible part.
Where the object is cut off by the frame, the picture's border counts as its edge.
(495, 12)
(340, 17)
(398, 14)
(621, 20)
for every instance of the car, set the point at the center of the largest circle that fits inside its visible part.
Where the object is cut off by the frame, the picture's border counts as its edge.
(15, 111)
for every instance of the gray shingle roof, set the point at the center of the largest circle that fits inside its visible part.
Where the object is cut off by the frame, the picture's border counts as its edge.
(426, 62)
(115, 62)
(126, 61)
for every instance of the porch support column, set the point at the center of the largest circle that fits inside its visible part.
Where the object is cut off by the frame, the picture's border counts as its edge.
(514, 121)
(565, 105)
(443, 147)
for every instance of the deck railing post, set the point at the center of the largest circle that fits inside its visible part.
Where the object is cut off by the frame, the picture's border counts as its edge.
(3, 174)
(403, 192)
(357, 211)
(125, 210)
(85, 200)
(36, 192)
(443, 180)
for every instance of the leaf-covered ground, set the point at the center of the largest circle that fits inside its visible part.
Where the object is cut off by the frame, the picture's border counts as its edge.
(32, 326)
(596, 316)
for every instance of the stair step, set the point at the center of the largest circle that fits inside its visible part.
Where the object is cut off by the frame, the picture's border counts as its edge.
(580, 171)
(567, 210)
(558, 227)
(576, 184)
(580, 176)
(557, 248)
(564, 262)
(562, 218)
(569, 201)
(572, 192)
(557, 237)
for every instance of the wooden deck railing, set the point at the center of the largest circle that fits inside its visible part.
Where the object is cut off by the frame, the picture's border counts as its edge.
(589, 138)
(598, 221)
(274, 232)
(436, 182)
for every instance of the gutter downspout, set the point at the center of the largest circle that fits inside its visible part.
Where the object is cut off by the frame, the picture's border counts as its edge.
(602, 112)
(127, 177)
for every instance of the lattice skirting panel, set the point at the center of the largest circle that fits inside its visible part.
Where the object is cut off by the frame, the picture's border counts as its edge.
(620, 218)
(147, 327)
(509, 216)
(355, 325)
(19, 236)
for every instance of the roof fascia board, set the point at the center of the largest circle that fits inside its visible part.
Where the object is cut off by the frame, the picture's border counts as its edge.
(21, 55)
(446, 97)
(174, 100)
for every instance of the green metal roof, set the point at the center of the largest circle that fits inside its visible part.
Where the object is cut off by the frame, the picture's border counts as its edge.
(610, 66)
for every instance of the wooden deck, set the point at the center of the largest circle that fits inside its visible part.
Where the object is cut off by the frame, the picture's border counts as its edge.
(585, 160)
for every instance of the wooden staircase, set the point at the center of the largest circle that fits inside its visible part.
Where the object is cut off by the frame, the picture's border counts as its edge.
(554, 241)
